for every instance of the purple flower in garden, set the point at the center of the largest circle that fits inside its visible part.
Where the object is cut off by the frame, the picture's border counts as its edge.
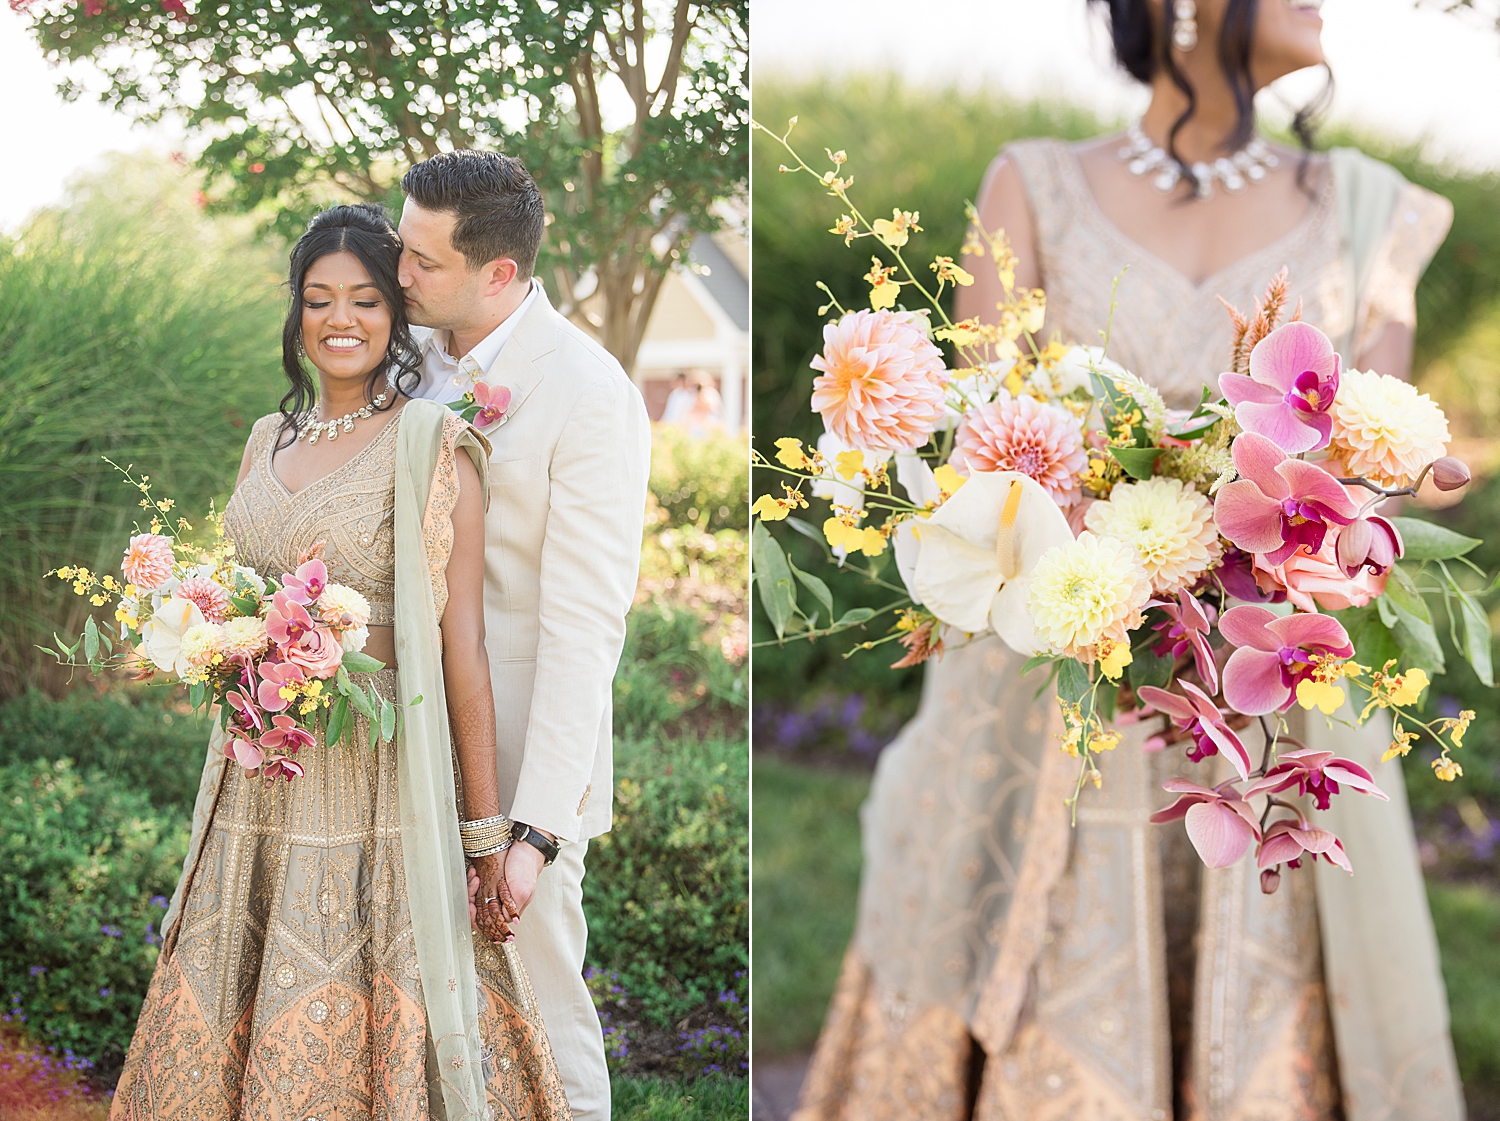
(1275, 655)
(111, 930)
(159, 901)
(1197, 715)
(1318, 773)
(106, 992)
(1289, 392)
(1279, 504)
(38, 970)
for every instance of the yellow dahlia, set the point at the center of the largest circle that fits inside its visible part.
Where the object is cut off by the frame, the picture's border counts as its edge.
(201, 643)
(1170, 524)
(245, 635)
(1087, 591)
(1384, 429)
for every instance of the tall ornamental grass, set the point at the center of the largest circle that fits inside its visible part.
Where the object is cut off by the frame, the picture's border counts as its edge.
(134, 326)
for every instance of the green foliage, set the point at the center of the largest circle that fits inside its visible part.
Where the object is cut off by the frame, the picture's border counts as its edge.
(702, 482)
(383, 86)
(668, 673)
(85, 868)
(807, 861)
(714, 1098)
(1468, 927)
(138, 740)
(130, 326)
(667, 891)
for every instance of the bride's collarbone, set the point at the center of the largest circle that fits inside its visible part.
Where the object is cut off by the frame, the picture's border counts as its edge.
(1200, 238)
(301, 464)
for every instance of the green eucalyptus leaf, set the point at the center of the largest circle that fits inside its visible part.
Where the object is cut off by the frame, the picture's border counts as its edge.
(773, 577)
(1418, 641)
(338, 718)
(196, 693)
(90, 640)
(1424, 540)
(356, 661)
(855, 616)
(1477, 646)
(1149, 668)
(1037, 660)
(1139, 463)
(387, 720)
(362, 703)
(1403, 594)
(817, 587)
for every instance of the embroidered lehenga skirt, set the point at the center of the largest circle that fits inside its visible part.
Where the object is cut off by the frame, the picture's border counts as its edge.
(290, 988)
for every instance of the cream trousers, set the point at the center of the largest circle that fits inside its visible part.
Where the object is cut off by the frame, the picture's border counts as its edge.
(552, 937)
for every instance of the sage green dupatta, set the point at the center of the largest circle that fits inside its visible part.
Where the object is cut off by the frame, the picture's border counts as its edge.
(436, 880)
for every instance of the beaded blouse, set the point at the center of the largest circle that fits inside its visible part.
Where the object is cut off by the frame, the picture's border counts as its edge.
(351, 510)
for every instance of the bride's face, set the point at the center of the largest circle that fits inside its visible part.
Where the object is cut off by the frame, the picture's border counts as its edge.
(1288, 37)
(346, 323)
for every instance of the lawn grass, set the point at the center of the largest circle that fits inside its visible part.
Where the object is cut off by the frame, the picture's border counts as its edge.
(806, 877)
(806, 860)
(714, 1098)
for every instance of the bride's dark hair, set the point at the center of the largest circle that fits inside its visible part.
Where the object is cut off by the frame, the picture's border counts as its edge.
(1141, 54)
(365, 230)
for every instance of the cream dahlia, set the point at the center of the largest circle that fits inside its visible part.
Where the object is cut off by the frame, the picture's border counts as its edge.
(201, 643)
(1024, 434)
(148, 561)
(1087, 591)
(1384, 429)
(1170, 524)
(343, 608)
(881, 387)
(212, 599)
(245, 635)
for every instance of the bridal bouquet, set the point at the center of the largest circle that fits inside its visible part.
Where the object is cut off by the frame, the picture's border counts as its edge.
(1213, 567)
(275, 657)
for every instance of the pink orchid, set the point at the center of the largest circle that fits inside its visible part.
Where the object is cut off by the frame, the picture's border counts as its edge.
(282, 767)
(246, 753)
(1275, 654)
(492, 402)
(1187, 627)
(1220, 823)
(288, 620)
(1279, 504)
(244, 704)
(1286, 841)
(1316, 582)
(286, 736)
(1370, 542)
(1318, 773)
(1289, 392)
(1197, 715)
(274, 675)
(305, 585)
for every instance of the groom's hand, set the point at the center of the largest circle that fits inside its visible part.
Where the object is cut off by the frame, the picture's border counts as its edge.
(523, 863)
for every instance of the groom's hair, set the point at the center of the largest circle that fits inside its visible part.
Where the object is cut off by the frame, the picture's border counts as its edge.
(494, 198)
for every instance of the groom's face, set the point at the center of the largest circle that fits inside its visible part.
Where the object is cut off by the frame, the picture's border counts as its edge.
(441, 290)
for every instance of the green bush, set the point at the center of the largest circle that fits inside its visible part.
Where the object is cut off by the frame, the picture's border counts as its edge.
(701, 481)
(135, 740)
(669, 672)
(131, 325)
(86, 866)
(666, 893)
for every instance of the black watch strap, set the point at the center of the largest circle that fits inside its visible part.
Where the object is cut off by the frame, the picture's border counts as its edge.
(539, 841)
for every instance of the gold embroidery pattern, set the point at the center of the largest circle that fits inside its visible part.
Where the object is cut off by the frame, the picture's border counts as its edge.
(293, 989)
(437, 524)
(352, 510)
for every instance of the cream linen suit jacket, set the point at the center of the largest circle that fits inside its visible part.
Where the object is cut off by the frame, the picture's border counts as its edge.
(568, 480)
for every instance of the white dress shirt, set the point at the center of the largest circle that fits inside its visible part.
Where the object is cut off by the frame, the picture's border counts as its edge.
(445, 378)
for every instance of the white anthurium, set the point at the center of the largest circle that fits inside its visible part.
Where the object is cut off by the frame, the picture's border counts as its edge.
(831, 486)
(162, 634)
(917, 479)
(1071, 373)
(978, 550)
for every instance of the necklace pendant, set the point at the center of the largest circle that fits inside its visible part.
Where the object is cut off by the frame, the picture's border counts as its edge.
(314, 438)
(333, 431)
(348, 424)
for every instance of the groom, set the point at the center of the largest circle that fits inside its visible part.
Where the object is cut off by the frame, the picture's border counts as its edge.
(567, 501)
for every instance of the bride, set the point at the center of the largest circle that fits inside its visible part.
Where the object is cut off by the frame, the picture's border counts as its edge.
(318, 959)
(1007, 965)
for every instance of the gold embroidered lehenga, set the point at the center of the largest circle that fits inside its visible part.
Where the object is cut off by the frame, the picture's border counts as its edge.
(291, 980)
(1007, 966)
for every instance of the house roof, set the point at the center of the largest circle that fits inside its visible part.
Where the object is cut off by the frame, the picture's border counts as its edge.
(725, 283)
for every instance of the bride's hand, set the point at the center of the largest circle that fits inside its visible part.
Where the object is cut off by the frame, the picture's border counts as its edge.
(488, 917)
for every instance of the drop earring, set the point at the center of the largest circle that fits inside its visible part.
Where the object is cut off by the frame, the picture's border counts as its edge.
(1185, 25)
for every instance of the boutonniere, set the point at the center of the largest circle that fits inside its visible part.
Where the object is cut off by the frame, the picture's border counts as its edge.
(484, 406)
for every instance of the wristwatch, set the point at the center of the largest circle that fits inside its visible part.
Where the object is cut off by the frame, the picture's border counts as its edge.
(536, 839)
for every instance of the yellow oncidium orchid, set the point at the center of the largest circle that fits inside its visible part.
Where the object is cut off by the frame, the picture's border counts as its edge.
(1322, 695)
(978, 549)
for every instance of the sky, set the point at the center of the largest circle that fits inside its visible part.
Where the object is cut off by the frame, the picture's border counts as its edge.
(1408, 72)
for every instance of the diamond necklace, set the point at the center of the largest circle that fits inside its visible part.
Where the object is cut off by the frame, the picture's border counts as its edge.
(331, 427)
(1248, 165)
